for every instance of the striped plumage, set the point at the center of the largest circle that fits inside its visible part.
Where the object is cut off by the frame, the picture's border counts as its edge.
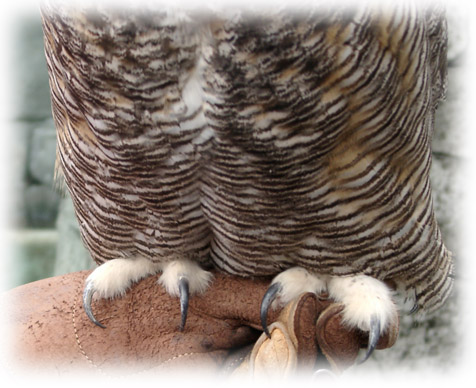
(255, 142)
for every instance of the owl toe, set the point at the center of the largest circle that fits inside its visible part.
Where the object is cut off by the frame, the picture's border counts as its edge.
(198, 279)
(294, 282)
(181, 278)
(112, 279)
(368, 305)
(287, 286)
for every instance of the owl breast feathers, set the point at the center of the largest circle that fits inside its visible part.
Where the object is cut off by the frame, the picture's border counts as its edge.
(253, 142)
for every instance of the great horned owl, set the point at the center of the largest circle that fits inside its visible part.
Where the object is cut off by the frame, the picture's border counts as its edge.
(289, 142)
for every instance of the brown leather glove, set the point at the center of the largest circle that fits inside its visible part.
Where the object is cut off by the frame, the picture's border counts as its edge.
(308, 336)
(223, 328)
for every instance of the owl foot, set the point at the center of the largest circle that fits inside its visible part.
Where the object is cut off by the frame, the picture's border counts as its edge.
(285, 287)
(367, 301)
(113, 278)
(368, 305)
(182, 278)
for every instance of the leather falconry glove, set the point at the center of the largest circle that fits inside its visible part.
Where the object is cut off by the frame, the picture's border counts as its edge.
(308, 336)
(223, 334)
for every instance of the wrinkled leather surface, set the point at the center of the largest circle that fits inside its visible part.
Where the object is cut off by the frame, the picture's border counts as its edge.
(308, 335)
(52, 330)
(49, 329)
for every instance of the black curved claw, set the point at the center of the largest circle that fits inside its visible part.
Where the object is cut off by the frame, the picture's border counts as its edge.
(87, 298)
(374, 336)
(184, 296)
(414, 309)
(268, 298)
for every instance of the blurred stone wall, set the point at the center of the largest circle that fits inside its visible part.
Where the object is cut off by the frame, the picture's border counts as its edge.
(45, 236)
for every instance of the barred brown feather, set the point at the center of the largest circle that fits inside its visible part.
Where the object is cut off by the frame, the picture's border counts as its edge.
(256, 142)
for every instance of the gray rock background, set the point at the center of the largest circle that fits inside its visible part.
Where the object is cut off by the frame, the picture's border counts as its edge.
(44, 236)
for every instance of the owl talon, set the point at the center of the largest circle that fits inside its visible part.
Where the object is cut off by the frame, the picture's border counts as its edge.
(374, 336)
(87, 298)
(182, 278)
(184, 297)
(268, 299)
